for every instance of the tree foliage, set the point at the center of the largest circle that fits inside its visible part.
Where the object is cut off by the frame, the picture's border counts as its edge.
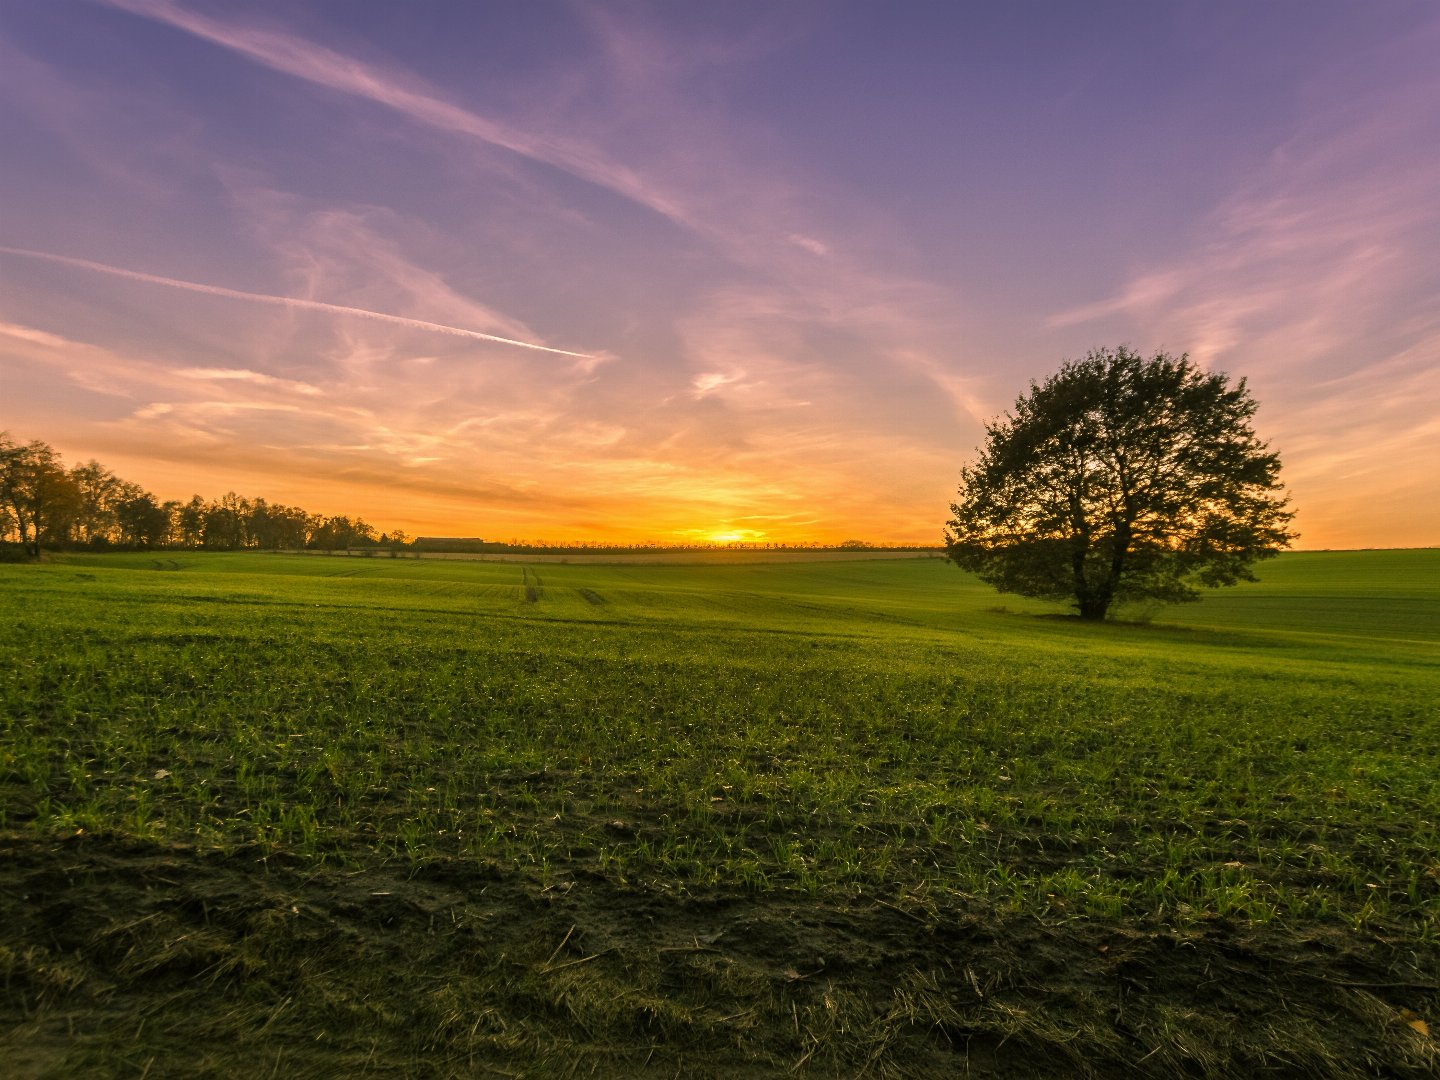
(44, 504)
(38, 496)
(1121, 479)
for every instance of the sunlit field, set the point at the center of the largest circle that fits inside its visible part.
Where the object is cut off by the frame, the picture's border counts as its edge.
(413, 817)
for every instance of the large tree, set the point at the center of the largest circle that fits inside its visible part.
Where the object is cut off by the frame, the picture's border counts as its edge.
(1121, 479)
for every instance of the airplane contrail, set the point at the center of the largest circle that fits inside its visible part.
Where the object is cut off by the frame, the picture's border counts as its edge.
(317, 64)
(284, 301)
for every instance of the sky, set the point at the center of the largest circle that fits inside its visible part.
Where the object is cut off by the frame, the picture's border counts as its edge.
(708, 272)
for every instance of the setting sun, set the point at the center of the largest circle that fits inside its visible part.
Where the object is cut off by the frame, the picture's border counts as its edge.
(733, 536)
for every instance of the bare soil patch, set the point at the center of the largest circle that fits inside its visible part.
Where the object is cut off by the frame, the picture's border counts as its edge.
(121, 958)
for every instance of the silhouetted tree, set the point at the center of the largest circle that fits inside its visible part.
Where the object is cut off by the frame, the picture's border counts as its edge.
(272, 526)
(41, 502)
(224, 524)
(39, 496)
(141, 521)
(341, 532)
(97, 491)
(1120, 479)
(190, 522)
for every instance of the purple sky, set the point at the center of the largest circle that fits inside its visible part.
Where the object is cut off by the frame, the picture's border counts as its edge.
(684, 271)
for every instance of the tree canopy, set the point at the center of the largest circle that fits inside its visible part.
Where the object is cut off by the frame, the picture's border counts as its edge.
(1121, 479)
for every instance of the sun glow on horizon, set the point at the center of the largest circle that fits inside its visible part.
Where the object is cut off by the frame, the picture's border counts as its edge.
(734, 536)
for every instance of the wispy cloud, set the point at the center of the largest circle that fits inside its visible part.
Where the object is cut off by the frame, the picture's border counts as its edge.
(213, 408)
(406, 94)
(1317, 279)
(245, 375)
(29, 333)
(1309, 254)
(709, 381)
(284, 301)
(693, 167)
(809, 243)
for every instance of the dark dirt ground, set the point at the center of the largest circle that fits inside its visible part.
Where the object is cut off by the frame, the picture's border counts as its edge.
(124, 959)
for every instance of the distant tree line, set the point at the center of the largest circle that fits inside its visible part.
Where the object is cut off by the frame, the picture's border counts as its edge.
(86, 506)
(475, 546)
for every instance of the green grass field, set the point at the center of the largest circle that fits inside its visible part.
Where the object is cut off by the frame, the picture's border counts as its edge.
(325, 815)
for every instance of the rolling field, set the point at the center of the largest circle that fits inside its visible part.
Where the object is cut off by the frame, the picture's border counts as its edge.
(325, 816)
